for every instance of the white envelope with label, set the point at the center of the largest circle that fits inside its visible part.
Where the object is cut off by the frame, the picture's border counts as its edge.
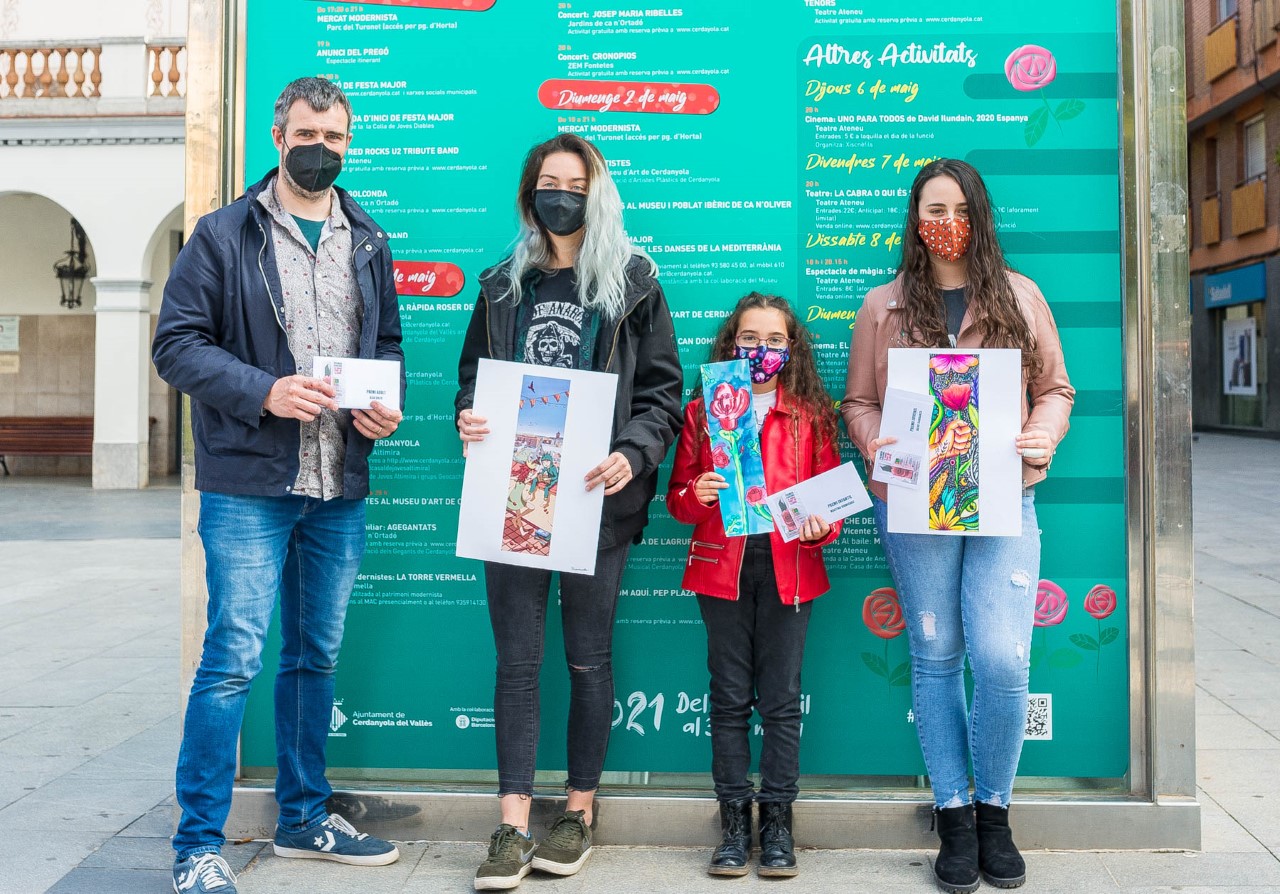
(835, 494)
(905, 416)
(360, 382)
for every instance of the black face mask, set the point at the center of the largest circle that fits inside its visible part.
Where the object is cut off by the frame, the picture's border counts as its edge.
(313, 167)
(561, 211)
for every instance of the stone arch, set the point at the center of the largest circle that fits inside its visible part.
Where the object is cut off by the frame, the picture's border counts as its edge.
(55, 360)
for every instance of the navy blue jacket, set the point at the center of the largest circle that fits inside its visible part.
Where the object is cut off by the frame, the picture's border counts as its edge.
(221, 340)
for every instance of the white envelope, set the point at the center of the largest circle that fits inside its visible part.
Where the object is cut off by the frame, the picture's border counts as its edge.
(360, 382)
(835, 494)
(906, 416)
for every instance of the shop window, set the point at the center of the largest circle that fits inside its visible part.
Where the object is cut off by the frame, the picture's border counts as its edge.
(1242, 331)
(1226, 9)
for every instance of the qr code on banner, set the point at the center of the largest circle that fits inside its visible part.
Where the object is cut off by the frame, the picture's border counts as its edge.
(1040, 717)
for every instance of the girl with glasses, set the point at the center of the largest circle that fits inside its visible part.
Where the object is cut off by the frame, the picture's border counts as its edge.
(755, 591)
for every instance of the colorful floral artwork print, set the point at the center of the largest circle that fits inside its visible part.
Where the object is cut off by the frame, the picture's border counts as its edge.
(735, 447)
(953, 443)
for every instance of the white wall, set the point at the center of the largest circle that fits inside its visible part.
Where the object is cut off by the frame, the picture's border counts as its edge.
(120, 194)
(85, 19)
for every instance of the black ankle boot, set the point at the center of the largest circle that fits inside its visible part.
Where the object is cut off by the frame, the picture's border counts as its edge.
(730, 858)
(777, 847)
(956, 867)
(998, 856)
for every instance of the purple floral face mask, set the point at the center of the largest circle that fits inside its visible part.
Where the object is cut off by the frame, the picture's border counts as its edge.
(766, 362)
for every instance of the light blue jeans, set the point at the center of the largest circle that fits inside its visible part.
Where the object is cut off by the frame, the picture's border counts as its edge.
(308, 551)
(974, 596)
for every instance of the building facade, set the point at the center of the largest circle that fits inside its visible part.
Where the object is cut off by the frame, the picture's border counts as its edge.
(91, 177)
(1233, 126)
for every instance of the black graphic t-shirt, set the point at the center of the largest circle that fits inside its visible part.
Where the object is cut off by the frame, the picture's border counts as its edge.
(957, 302)
(554, 328)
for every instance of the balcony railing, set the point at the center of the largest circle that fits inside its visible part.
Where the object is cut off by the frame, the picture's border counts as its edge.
(1249, 207)
(50, 72)
(1220, 50)
(1211, 220)
(168, 66)
(127, 76)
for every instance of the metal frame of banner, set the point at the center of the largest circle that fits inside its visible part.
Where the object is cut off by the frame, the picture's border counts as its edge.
(1157, 807)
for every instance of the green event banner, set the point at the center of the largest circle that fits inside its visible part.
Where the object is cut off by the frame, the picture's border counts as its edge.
(758, 145)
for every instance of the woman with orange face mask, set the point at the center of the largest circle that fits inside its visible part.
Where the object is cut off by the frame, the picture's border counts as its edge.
(963, 595)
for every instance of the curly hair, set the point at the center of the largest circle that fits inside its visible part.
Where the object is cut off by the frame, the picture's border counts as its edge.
(799, 378)
(994, 305)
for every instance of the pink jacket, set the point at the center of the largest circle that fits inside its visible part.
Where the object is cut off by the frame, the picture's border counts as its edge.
(1048, 400)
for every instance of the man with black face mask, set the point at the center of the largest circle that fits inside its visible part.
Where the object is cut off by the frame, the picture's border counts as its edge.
(292, 270)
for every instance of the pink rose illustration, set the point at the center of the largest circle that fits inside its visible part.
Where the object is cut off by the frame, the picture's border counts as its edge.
(755, 494)
(956, 396)
(719, 458)
(1100, 602)
(1030, 67)
(729, 405)
(1051, 604)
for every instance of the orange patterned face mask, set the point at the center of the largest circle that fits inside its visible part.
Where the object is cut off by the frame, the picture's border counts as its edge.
(946, 237)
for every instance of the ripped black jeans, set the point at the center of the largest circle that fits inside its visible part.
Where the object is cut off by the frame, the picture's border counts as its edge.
(518, 613)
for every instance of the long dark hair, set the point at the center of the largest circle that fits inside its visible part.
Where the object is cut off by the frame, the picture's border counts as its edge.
(994, 304)
(799, 378)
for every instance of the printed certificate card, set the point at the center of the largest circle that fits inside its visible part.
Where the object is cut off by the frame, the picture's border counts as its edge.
(905, 416)
(548, 427)
(971, 482)
(835, 494)
(360, 382)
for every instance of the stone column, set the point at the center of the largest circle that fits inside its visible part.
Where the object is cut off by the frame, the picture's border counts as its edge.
(120, 400)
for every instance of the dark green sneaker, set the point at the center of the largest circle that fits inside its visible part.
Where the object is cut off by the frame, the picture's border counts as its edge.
(566, 846)
(510, 859)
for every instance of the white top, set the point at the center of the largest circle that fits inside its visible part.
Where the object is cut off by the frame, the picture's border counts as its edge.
(761, 404)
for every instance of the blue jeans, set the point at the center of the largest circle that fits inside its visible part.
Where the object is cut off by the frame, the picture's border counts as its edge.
(973, 595)
(308, 551)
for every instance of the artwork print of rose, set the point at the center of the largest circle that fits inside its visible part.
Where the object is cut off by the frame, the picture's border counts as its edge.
(1032, 68)
(882, 615)
(953, 442)
(735, 447)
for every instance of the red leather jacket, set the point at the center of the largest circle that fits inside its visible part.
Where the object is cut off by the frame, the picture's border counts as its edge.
(715, 560)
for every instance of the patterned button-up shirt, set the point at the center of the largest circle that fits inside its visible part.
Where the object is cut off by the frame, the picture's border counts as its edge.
(322, 318)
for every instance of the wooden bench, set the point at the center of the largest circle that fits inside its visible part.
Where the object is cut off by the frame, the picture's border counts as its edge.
(45, 436)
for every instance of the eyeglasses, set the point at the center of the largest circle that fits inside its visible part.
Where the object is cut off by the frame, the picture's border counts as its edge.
(777, 342)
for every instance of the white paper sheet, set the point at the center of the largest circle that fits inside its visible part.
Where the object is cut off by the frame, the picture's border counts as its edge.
(360, 382)
(835, 494)
(905, 416)
(999, 468)
(546, 519)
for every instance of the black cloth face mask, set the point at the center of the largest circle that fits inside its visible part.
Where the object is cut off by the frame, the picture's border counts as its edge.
(561, 211)
(313, 167)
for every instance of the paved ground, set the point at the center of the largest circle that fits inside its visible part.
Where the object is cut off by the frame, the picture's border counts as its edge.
(88, 723)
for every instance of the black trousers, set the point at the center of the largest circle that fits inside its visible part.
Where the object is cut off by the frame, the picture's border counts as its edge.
(755, 647)
(518, 613)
